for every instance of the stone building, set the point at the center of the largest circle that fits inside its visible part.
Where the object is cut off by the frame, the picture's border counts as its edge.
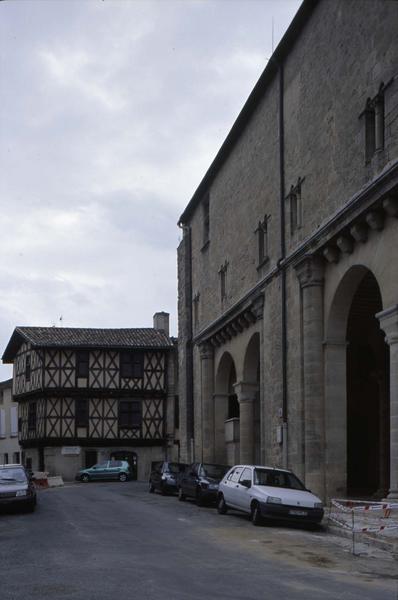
(88, 395)
(10, 452)
(288, 276)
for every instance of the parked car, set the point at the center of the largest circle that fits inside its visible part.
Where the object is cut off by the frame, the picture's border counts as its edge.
(16, 487)
(268, 493)
(165, 477)
(108, 470)
(200, 481)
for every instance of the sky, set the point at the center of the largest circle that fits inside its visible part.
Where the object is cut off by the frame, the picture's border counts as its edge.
(111, 112)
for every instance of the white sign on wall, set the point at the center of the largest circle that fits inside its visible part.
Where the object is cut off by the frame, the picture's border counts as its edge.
(70, 450)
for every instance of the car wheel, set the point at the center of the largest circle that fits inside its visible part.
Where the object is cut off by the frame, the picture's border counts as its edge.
(151, 488)
(222, 507)
(181, 495)
(256, 514)
(123, 477)
(85, 478)
(200, 501)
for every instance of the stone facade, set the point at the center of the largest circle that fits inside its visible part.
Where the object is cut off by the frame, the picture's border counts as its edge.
(10, 451)
(287, 258)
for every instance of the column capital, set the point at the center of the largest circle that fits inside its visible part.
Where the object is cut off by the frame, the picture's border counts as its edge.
(206, 351)
(246, 391)
(310, 270)
(389, 323)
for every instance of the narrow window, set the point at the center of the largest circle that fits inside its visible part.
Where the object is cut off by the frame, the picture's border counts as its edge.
(196, 309)
(27, 368)
(223, 281)
(379, 120)
(296, 210)
(176, 412)
(81, 412)
(6, 459)
(16, 458)
(32, 416)
(82, 363)
(130, 414)
(262, 240)
(132, 365)
(370, 141)
(374, 124)
(206, 220)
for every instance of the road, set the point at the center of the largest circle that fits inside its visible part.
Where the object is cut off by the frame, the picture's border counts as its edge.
(115, 541)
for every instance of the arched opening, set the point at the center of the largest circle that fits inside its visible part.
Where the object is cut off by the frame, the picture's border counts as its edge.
(367, 393)
(251, 374)
(356, 390)
(226, 413)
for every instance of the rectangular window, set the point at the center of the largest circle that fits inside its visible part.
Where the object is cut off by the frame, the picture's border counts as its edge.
(296, 209)
(16, 458)
(196, 309)
(223, 281)
(130, 414)
(82, 363)
(132, 364)
(374, 124)
(32, 416)
(27, 368)
(81, 412)
(262, 237)
(6, 458)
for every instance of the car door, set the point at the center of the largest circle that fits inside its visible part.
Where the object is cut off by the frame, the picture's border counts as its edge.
(99, 471)
(230, 486)
(114, 468)
(243, 490)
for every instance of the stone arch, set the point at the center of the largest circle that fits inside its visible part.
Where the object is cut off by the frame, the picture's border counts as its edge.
(226, 412)
(351, 448)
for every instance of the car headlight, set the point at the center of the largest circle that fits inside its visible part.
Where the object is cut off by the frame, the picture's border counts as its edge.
(21, 493)
(274, 500)
(318, 505)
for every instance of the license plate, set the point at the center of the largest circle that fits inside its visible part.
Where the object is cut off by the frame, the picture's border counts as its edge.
(298, 513)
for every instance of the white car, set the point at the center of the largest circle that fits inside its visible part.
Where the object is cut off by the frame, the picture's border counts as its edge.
(269, 493)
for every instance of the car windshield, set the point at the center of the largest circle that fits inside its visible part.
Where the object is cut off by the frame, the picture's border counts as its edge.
(275, 478)
(175, 468)
(214, 471)
(12, 476)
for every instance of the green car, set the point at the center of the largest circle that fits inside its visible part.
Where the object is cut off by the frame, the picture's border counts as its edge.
(108, 470)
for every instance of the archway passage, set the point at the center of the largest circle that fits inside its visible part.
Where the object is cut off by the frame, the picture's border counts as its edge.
(367, 394)
(226, 413)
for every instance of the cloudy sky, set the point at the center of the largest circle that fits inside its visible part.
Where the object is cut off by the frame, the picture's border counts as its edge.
(111, 112)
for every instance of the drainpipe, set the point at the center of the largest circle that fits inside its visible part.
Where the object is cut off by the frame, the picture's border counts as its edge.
(283, 270)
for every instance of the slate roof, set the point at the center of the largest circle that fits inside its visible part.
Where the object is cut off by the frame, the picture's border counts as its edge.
(70, 337)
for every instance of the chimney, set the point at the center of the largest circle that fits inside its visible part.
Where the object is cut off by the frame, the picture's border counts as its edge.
(161, 322)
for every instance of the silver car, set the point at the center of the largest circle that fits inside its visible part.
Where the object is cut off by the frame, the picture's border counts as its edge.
(268, 493)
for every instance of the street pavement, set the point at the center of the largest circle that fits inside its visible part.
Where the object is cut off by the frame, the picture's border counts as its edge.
(115, 541)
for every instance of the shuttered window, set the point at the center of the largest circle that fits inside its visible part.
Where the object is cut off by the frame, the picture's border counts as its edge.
(132, 365)
(82, 363)
(81, 412)
(130, 414)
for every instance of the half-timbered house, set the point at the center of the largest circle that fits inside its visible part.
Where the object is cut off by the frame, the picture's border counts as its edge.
(87, 395)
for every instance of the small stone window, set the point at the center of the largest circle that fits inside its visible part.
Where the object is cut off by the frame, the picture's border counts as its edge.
(223, 281)
(262, 240)
(195, 303)
(374, 124)
(296, 208)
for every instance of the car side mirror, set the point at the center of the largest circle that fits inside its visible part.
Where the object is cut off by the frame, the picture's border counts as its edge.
(246, 483)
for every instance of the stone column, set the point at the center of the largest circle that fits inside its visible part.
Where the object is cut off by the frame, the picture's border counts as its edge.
(246, 393)
(207, 392)
(389, 324)
(310, 274)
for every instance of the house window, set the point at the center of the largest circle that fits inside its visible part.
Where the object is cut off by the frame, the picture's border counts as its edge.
(262, 240)
(130, 414)
(132, 365)
(81, 412)
(32, 416)
(6, 459)
(223, 281)
(374, 124)
(16, 458)
(27, 368)
(82, 363)
(206, 219)
(296, 210)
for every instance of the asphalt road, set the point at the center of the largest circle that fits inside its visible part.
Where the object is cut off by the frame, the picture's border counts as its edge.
(115, 541)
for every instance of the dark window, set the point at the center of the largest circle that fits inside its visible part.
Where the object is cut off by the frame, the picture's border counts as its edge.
(233, 407)
(195, 302)
(90, 458)
(296, 209)
(32, 416)
(16, 457)
(6, 458)
(81, 412)
(28, 464)
(374, 124)
(27, 368)
(130, 414)
(19, 424)
(132, 365)
(246, 475)
(206, 219)
(262, 237)
(223, 281)
(176, 412)
(82, 363)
